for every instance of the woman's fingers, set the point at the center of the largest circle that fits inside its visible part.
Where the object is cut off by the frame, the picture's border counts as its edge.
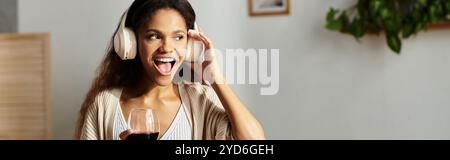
(194, 34)
(124, 135)
(201, 37)
(209, 54)
(206, 40)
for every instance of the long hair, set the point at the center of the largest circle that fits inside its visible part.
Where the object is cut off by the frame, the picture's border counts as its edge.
(116, 73)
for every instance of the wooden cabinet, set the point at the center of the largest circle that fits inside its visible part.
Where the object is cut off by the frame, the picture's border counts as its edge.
(25, 88)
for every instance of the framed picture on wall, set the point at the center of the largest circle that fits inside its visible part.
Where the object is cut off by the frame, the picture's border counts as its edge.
(269, 7)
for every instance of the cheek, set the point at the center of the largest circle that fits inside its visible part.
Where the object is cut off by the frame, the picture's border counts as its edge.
(182, 48)
(146, 51)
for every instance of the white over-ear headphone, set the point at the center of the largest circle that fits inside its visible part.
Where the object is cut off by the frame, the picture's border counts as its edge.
(125, 41)
(195, 48)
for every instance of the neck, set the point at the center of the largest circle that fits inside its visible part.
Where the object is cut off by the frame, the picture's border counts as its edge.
(150, 89)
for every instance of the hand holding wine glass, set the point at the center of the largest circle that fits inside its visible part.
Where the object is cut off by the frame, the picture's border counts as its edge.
(143, 124)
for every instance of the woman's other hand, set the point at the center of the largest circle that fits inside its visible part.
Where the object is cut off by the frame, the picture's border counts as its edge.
(124, 135)
(210, 69)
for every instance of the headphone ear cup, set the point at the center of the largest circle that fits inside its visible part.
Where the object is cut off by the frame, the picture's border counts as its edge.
(118, 43)
(130, 44)
(194, 50)
(125, 44)
(125, 41)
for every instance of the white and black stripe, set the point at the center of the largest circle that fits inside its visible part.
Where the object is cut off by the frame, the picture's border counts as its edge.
(180, 129)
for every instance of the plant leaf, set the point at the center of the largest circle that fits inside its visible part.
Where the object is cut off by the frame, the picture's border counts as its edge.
(331, 14)
(419, 26)
(408, 30)
(358, 28)
(344, 18)
(447, 7)
(385, 13)
(423, 3)
(391, 26)
(334, 25)
(394, 43)
(398, 18)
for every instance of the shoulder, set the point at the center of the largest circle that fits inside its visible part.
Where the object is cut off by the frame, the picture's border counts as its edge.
(107, 98)
(196, 89)
(200, 93)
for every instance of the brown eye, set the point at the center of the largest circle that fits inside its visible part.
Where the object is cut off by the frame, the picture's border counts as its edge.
(179, 37)
(153, 37)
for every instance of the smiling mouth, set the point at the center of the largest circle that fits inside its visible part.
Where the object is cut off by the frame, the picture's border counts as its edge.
(164, 65)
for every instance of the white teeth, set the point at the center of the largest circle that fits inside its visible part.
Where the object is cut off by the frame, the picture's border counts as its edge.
(165, 59)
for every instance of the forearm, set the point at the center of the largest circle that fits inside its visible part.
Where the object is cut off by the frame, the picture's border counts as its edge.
(244, 125)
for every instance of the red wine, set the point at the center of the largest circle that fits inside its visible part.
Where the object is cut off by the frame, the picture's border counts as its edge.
(143, 136)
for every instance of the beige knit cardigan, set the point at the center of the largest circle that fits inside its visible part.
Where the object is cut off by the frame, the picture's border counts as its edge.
(208, 118)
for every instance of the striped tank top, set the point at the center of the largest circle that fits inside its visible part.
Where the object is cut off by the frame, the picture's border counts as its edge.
(180, 129)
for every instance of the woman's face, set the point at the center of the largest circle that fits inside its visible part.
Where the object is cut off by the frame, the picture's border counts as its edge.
(162, 44)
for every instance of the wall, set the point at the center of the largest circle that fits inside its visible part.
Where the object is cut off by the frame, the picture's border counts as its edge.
(8, 16)
(335, 88)
(80, 31)
(331, 87)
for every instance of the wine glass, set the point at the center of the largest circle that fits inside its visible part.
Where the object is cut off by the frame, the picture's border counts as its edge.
(144, 124)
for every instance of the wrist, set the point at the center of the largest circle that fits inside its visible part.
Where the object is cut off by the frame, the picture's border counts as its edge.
(219, 79)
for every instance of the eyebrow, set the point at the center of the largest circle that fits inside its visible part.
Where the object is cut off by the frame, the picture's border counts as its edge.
(159, 32)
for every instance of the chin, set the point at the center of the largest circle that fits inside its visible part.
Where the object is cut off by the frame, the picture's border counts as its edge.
(164, 81)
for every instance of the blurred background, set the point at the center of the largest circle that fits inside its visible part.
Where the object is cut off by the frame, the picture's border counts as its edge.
(331, 86)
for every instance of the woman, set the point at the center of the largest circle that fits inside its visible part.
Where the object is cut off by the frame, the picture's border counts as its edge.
(186, 111)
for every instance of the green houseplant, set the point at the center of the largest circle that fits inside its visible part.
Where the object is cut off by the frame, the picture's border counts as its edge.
(396, 18)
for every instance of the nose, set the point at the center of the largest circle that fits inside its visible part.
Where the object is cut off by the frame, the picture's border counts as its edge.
(166, 47)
